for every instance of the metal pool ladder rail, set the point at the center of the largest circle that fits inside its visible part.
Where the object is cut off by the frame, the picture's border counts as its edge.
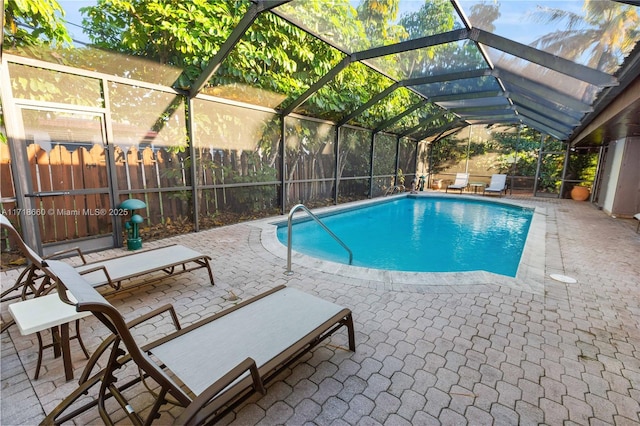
(317, 219)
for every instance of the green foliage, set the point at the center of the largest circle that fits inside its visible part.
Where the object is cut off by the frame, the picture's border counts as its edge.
(384, 154)
(433, 17)
(273, 55)
(582, 166)
(3, 133)
(400, 177)
(483, 15)
(446, 153)
(42, 19)
(523, 148)
(605, 32)
(253, 198)
(354, 157)
(180, 33)
(377, 17)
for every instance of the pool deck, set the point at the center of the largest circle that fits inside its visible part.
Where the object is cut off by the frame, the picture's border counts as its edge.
(453, 349)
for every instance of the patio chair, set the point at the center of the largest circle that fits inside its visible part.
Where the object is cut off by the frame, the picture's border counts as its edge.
(31, 272)
(461, 182)
(218, 361)
(170, 260)
(40, 313)
(497, 185)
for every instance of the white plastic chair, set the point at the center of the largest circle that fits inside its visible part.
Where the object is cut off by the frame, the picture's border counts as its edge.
(497, 185)
(461, 182)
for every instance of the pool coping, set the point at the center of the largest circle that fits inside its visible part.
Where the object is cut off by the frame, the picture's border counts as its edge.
(529, 277)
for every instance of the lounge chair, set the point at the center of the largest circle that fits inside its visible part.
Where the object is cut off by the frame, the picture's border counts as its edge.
(497, 185)
(461, 182)
(218, 361)
(172, 259)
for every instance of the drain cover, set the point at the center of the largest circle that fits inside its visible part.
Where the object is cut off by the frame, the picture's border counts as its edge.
(563, 278)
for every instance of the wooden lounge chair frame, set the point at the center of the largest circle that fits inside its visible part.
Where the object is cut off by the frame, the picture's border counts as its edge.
(461, 182)
(205, 397)
(172, 260)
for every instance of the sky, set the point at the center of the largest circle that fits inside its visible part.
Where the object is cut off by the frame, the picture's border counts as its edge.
(73, 16)
(515, 21)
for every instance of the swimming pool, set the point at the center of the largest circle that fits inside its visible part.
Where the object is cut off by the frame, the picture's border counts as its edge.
(420, 234)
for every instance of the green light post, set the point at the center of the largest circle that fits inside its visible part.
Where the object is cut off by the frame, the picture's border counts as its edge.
(134, 242)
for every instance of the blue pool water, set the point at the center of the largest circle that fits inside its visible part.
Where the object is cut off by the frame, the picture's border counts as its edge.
(420, 234)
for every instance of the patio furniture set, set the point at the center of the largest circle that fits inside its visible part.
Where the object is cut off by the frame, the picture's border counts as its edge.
(208, 367)
(497, 185)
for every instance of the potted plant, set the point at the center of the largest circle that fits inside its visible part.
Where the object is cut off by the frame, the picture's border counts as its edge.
(400, 178)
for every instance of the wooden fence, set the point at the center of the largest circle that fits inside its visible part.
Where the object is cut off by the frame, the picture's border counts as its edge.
(244, 182)
(68, 168)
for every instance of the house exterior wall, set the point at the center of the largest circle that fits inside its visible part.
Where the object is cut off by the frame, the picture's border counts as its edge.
(611, 174)
(627, 200)
(621, 179)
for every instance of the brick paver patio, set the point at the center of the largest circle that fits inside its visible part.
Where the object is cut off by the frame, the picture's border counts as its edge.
(452, 353)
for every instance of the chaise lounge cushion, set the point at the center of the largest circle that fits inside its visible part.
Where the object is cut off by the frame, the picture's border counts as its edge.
(141, 263)
(461, 182)
(172, 259)
(497, 185)
(205, 366)
(262, 330)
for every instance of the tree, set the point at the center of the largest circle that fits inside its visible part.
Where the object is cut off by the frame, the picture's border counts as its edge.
(605, 33)
(432, 18)
(183, 34)
(436, 17)
(483, 15)
(377, 17)
(33, 23)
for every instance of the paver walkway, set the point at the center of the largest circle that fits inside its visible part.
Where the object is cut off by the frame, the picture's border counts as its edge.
(452, 355)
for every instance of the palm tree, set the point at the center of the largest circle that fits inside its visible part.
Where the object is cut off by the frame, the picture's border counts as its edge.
(600, 38)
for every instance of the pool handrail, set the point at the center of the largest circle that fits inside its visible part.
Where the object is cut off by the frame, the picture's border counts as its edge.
(392, 190)
(317, 219)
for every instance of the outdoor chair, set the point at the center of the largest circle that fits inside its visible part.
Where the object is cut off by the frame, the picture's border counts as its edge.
(40, 313)
(171, 260)
(461, 182)
(33, 272)
(46, 311)
(207, 367)
(497, 185)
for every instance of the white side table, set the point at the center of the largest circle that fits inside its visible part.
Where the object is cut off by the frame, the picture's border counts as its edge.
(38, 314)
(476, 186)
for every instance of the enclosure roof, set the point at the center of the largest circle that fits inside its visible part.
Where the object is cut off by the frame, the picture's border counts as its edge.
(422, 68)
(550, 65)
